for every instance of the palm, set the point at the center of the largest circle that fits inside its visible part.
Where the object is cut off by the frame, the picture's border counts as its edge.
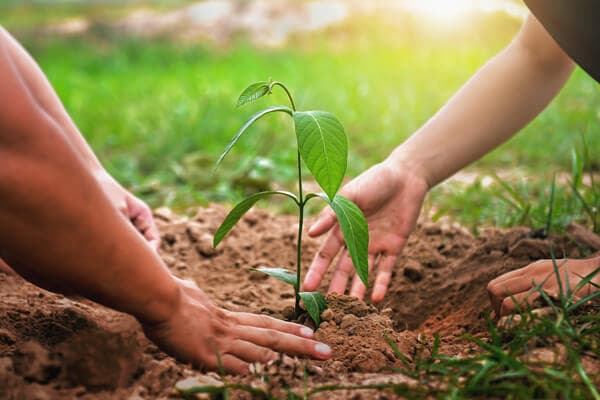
(391, 200)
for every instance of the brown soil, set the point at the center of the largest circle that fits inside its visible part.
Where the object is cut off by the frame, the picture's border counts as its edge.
(57, 347)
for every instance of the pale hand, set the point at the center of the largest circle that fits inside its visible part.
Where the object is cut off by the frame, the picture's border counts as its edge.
(210, 337)
(391, 198)
(517, 285)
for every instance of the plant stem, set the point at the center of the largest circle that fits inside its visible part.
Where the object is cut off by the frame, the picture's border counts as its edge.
(289, 95)
(299, 244)
(297, 308)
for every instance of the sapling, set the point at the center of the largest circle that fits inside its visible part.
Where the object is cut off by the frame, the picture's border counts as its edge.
(323, 148)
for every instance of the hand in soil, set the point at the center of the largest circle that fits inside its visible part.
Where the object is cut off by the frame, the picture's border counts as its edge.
(519, 283)
(134, 209)
(206, 335)
(391, 198)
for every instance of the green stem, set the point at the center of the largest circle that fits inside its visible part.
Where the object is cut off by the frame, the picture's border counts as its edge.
(299, 244)
(289, 95)
(300, 209)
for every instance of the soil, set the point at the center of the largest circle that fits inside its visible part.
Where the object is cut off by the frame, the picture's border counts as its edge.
(55, 347)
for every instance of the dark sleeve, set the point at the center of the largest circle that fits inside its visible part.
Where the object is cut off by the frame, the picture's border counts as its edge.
(575, 25)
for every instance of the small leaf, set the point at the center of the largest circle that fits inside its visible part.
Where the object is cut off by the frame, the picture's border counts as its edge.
(315, 304)
(324, 147)
(354, 227)
(253, 92)
(240, 209)
(279, 273)
(252, 119)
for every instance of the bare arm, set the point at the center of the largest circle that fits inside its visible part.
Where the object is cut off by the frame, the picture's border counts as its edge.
(49, 103)
(58, 226)
(499, 100)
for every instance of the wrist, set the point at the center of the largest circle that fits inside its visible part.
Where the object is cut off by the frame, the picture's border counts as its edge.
(403, 159)
(163, 301)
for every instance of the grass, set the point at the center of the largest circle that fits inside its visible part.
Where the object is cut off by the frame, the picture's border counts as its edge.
(158, 112)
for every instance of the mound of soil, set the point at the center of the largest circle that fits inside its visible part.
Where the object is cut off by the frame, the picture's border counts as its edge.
(57, 347)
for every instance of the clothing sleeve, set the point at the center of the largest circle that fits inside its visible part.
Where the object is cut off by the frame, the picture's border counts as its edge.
(575, 25)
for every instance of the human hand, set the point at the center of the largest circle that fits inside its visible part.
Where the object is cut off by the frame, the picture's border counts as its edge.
(518, 284)
(390, 195)
(204, 334)
(134, 209)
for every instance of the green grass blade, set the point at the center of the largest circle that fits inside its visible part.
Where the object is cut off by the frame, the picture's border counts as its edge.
(315, 304)
(253, 92)
(324, 147)
(551, 206)
(586, 379)
(240, 209)
(279, 273)
(355, 231)
(243, 129)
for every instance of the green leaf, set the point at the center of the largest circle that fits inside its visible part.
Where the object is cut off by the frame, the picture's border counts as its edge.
(315, 304)
(279, 273)
(354, 227)
(240, 209)
(324, 147)
(253, 92)
(243, 129)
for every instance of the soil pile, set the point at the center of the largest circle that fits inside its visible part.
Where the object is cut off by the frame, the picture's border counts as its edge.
(57, 347)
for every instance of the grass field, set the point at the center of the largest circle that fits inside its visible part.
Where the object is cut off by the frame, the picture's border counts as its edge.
(158, 113)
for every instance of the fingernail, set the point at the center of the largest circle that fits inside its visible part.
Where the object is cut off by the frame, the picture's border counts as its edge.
(323, 349)
(306, 332)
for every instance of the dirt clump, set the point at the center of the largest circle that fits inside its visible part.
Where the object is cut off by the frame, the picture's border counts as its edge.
(52, 346)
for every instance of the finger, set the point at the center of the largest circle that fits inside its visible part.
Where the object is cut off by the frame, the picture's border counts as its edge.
(324, 223)
(329, 249)
(250, 352)
(499, 290)
(384, 277)
(231, 364)
(263, 321)
(283, 342)
(517, 302)
(343, 272)
(141, 217)
(518, 272)
(358, 287)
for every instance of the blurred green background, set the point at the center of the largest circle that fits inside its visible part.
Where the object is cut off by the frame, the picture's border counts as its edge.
(155, 96)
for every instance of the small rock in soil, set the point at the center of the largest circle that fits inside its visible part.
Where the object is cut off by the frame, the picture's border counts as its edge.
(327, 315)
(348, 320)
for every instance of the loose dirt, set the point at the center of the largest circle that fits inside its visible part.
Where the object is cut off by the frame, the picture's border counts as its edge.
(55, 347)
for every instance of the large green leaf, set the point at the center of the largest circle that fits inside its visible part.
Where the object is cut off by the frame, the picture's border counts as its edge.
(354, 227)
(243, 129)
(324, 147)
(315, 304)
(240, 209)
(253, 92)
(279, 273)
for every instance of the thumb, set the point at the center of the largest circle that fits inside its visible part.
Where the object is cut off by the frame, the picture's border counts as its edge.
(324, 223)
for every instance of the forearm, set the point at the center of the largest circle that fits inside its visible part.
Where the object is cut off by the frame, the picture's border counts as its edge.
(46, 98)
(500, 99)
(58, 226)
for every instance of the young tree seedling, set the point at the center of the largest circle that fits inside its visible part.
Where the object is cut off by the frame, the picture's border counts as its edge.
(323, 147)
